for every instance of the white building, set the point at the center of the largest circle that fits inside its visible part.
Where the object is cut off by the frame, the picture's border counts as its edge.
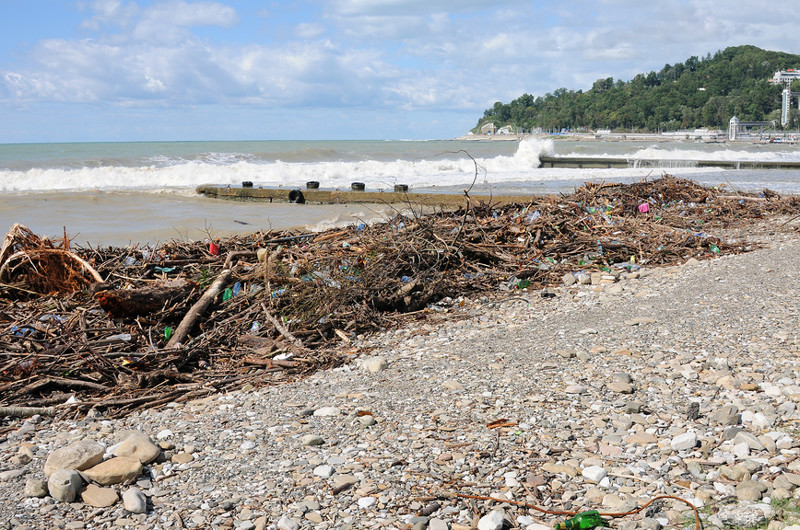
(785, 77)
(733, 128)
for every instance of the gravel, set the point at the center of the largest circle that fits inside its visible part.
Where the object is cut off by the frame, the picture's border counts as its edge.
(679, 381)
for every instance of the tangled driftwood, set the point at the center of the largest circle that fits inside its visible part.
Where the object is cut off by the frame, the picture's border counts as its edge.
(39, 265)
(239, 321)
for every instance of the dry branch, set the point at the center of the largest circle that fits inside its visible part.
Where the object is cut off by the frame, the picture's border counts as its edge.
(198, 308)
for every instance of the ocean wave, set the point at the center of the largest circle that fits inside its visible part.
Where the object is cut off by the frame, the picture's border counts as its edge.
(455, 168)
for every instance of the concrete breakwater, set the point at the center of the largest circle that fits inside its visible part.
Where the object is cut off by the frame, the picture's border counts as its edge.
(345, 197)
(614, 162)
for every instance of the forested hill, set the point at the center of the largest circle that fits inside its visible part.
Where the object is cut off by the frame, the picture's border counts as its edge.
(700, 92)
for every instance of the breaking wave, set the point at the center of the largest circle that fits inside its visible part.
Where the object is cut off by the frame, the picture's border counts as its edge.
(162, 172)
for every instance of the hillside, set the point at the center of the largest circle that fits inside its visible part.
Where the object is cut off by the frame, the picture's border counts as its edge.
(699, 92)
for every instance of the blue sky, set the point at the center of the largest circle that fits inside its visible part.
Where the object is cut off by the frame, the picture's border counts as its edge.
(116, 70)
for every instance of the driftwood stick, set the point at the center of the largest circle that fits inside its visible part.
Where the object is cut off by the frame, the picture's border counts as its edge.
(742, 198)
(281, 329)
(271, 363)
(26, 412)
(198, 308)
(62, 381)
(238, 254)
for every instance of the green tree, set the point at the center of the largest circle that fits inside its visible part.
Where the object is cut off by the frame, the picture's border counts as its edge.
(696, 93)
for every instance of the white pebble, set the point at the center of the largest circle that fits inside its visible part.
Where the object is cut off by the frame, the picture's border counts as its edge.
(327, 411)
(324, 471)
(492, 521)
(166, 433)
(684, 441)
(366, 502)
(594, 473)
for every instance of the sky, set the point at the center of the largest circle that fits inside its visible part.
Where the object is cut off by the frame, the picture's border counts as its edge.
(161, 70)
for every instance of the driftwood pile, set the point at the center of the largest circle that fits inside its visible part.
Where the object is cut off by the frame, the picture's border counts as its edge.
(126, 328)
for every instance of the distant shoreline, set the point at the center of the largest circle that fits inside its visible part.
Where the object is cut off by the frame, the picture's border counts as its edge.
(718, 138)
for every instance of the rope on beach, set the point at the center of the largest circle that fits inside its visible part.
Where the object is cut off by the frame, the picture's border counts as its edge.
(574, 513)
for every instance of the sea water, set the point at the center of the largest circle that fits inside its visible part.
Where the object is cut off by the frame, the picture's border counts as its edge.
(144, 192)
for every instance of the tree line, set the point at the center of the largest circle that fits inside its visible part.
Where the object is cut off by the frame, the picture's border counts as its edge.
(699, 92)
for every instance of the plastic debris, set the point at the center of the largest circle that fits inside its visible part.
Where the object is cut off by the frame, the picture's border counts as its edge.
(583, 521)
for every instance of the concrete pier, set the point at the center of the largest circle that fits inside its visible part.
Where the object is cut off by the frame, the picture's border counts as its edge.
(319, 196)
(597, 162)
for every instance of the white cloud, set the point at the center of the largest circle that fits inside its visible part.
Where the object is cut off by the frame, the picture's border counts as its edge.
(389, 8)
(171, 21)
(110, 12)
(309, 30)
(406, 54)
(166, 21)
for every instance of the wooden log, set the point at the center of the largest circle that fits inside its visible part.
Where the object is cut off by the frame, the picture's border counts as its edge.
(144, 300)
(26, 412)
(198, 308)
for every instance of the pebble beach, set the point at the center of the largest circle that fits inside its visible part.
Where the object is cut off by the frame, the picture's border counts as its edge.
(680, 381)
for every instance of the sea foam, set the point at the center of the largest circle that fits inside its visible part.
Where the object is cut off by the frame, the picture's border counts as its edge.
(446, 169)
(181, 174)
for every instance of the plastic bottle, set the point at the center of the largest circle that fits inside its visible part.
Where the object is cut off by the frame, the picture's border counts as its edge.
(583, 521)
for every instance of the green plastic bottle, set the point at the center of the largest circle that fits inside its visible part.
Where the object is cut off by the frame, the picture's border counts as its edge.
(583, 521)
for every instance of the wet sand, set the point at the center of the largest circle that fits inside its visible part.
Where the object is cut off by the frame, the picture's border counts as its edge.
(130, 218)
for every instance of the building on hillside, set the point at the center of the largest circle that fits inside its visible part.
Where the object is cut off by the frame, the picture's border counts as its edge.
(505, 130)
(488, 128)
(785, 77)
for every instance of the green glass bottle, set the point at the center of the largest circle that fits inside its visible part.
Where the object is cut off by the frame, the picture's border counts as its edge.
(583, 521)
